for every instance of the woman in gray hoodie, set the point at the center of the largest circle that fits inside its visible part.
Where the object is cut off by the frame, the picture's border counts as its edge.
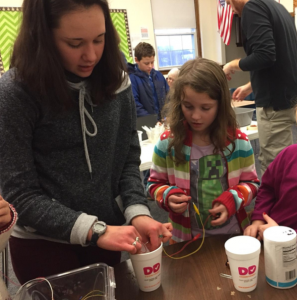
(69, 150)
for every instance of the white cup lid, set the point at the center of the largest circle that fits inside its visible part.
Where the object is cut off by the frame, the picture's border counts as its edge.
(242, 247)
(279, 234)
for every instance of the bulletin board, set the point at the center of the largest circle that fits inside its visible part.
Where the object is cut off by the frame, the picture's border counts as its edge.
(10, 20)
(11, 17)
(120, 22)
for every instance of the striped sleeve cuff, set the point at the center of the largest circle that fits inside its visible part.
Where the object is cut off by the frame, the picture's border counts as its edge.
(227, 199)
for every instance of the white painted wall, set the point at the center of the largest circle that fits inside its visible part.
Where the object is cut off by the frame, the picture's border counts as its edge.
(139, 15)
(212, 44)
(11, 3)
(288, 4)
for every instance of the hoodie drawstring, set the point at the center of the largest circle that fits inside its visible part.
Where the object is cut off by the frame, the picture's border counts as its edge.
(84, 95)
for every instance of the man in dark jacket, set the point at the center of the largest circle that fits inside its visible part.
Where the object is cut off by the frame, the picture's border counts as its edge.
(148, 85)
(270, 43)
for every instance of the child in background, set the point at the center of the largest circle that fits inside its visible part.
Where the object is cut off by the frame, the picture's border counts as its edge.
(8, 218)
(172, 76)
(276, 195)
(204, 158)
(149, 86)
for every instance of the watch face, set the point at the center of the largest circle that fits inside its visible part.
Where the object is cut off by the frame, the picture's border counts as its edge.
(98, 227)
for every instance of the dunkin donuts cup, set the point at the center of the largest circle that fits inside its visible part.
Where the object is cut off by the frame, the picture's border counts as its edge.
(243, 254)
(147, 268)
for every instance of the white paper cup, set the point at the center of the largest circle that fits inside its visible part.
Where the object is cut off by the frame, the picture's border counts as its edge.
(243, 254)
(147, 268)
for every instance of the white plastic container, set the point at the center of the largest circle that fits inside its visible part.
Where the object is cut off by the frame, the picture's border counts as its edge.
(280, 257)
(243, 254)
(76, 284)
(139, 135)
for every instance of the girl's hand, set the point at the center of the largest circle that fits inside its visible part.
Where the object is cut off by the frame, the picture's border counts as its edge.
(178, 203)
(5, 216)
(270, 223)
(219, 210)
(253, 229)
(152, 231)
(257, 228)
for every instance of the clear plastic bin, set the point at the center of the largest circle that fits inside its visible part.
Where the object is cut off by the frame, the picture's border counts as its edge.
(92, 282)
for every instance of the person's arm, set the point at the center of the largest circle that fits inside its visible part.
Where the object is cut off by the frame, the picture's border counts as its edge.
(8, 217)
(131, 189)
(242, 92)
(266, 197)
(231, 67)
(158, 185)
(241, 194)
(140, 110)
(259, 34)
(134, 201)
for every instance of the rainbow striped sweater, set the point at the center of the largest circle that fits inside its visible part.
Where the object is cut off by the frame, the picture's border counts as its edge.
(166, 178)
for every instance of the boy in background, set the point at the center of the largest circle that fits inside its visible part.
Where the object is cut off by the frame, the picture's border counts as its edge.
(148, 85)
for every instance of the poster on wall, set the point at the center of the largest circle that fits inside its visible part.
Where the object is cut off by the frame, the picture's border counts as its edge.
(120, 21)
(144, 33)
(10, 21)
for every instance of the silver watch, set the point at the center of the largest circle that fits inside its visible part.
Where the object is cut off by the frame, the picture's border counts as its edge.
(98, 229)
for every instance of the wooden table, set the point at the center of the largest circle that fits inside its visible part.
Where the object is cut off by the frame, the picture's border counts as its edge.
(196, 277)
(236, 103)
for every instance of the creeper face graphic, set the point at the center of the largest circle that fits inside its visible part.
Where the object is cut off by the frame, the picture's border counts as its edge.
(209, 186)
(214, 168)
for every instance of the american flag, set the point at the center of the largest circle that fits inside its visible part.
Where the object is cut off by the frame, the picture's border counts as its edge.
(225, 18)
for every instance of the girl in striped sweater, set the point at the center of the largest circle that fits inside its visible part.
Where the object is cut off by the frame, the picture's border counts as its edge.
(203, 159)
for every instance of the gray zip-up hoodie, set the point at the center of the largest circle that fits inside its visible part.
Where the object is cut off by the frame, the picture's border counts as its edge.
(46, 159)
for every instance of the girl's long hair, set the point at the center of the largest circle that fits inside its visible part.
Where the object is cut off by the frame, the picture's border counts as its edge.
(37, 60)
(203, 76)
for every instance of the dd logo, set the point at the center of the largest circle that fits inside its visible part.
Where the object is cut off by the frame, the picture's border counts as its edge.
(150, 270)
(245, 271)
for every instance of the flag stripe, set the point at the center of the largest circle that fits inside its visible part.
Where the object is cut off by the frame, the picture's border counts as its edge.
(225, 18)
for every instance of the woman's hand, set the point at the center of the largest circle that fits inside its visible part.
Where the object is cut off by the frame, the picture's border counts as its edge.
(152, 231)
(221, 211)
(178, 203)
(5, 216)
(120, 238)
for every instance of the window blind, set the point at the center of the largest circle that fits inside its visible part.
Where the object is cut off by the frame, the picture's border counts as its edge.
(173, 14)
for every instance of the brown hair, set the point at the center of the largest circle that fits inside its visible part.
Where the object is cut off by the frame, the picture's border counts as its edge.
(38, 62)
(203, 76)
(144, 50)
